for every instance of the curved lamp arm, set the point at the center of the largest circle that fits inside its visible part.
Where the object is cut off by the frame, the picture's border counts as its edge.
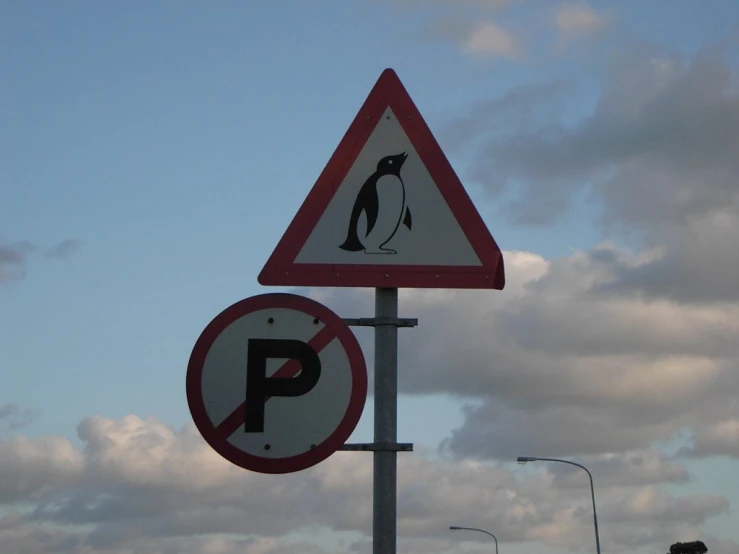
(525, 459)
(457, 528)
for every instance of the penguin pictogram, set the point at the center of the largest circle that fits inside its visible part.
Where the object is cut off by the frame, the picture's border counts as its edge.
(381, 201)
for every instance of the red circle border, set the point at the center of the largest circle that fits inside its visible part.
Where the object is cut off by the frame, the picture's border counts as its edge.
(322, 451)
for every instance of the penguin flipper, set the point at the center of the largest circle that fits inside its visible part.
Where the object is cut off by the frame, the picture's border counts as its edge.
(407, 221)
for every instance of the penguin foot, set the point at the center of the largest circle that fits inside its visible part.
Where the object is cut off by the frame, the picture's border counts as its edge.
(352, 244)
(381, 251)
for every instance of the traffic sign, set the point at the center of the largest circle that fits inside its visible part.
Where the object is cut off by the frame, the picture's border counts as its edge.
(387, 211)
(276, 383)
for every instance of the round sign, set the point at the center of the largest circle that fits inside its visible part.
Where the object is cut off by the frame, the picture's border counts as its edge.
(276, 383)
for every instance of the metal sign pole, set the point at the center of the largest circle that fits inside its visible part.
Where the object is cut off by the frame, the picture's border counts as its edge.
(385, 446)
(384, 527)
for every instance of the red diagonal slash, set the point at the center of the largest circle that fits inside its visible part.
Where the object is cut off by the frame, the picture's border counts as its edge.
(289, 369)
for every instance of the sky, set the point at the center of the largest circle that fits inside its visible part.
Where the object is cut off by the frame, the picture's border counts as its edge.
(153, 154)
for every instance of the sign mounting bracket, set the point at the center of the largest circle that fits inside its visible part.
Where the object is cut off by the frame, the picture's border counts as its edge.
(376, 321)
(378, 447)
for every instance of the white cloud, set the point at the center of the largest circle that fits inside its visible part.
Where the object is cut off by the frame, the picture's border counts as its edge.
(656, 159)
(489, 39)
(553, 364)
(12, 417)
(31, 468)
(139, 485)
(64, 249)
(14, 257)
(574, 19)
(478, 38)
(720, 437)
(489, 4)
(659, 146)
(13, 260)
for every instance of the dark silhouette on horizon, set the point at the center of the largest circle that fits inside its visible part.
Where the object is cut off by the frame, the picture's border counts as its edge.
(695, 547)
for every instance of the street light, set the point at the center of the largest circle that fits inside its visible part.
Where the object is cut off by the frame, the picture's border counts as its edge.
(525, 459)
(457, 528)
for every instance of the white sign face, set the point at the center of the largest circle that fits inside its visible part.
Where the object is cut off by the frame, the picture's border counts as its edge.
(388, 211)
(276, 383)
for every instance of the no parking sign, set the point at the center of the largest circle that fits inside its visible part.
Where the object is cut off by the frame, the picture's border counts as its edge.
(276, 383)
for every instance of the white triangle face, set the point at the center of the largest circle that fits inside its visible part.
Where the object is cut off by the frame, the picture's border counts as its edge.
(413, 223)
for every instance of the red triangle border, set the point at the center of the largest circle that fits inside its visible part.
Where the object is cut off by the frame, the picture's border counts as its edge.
(281, 269)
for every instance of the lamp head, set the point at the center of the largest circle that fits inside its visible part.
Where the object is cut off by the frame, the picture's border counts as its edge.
(525, 459)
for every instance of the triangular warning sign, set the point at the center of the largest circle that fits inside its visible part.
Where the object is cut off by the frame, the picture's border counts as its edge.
(387, 211)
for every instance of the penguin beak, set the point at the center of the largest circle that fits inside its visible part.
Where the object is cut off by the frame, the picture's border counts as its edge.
(403, 158)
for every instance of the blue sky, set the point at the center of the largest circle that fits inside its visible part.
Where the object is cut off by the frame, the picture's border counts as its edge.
(153, 154)
(160, 137)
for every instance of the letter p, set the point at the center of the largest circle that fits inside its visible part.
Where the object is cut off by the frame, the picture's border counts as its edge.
(259, 387)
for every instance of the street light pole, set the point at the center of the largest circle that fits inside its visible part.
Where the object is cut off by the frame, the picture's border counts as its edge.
(525, 459)
(457, 528)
